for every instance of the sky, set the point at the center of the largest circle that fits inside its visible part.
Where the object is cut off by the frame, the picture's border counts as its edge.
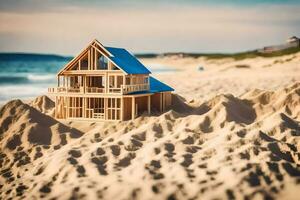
(203, 26)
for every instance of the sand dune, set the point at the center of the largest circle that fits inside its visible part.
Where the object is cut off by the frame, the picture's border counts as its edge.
(201, 79)
(227, 147)
(43, 104)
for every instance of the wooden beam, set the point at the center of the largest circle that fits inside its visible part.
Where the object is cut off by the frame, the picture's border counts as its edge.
(163, 102)
(83, 107)
(71, 63)
(56, 108)
(130, 79)
(122, 109)
(108, 58)
(105, 108)
(160, 102)
(94, 72)
(149, 105)
(89, 59)
(67, 107)
(92, 59)
(82, 53)
(133, 108)
(95, 59)
(102, 53)
(79, 64)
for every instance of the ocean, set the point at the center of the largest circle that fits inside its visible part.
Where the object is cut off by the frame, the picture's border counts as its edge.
(25, 76)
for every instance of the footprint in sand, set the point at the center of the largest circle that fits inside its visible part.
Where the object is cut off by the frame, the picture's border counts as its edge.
(153, 168)
(134, 145)
(115, 150)
(170, 148)
(81, 170)
(126, 161)
(75, 153)
(188, 140)
(100, 164)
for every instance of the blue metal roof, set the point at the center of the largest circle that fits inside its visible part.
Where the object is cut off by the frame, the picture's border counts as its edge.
(126, 61)
(155, 86)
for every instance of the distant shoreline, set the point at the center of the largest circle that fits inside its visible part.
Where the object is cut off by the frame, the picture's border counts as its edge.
(235, 56)
(11, 56)
(32, 57)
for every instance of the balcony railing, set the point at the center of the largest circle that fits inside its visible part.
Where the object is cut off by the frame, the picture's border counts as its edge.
(124, 89)
(65, 90)
(134, 88)
(94, 90)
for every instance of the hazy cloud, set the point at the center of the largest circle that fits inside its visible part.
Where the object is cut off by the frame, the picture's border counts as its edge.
(64, 27)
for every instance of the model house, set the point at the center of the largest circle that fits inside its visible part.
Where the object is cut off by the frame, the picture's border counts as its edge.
(107, 83)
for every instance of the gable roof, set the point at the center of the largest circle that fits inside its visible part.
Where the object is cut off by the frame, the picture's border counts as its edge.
(120, 57)
(126, 61)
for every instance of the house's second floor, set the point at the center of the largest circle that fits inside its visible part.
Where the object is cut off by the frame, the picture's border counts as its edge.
(101, 83)
(105, 70)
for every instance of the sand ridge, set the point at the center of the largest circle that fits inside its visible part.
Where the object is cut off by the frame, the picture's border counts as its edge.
(227, 147)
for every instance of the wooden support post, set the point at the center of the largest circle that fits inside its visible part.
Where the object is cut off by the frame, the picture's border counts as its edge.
(92, 58)
(79, 64)
(83, 107)
(160, 102)
(131, 82)
(106, 83)
(105, 109)
(122, 109)
(67, 109)
(67, 82)
(89, 59)
(95, 59)
(84, 83)
(133, 108)
(124, 83)
(55, 110)
(149, 105)
(109, 65)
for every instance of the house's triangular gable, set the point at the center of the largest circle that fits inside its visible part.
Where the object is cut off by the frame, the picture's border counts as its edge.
(94, 44)
(121, 58)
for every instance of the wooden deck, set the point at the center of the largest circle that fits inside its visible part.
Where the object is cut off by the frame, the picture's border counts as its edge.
(124, 89)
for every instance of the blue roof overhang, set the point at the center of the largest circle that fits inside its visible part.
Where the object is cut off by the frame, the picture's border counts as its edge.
(158, 86)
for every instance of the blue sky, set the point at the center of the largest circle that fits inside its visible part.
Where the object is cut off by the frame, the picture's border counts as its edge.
(65, 26)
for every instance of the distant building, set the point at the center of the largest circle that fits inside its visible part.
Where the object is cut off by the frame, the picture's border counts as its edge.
(293, 39)
(290, 42)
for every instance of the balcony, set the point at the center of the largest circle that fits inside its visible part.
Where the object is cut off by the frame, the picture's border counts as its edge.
(124, 89)
(94, 90)
(65, 90)
(134, 88)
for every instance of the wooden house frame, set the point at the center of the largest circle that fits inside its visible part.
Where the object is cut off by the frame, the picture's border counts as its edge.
(107, 83)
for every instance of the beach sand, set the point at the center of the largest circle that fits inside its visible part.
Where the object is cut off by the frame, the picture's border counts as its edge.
(233, 133)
